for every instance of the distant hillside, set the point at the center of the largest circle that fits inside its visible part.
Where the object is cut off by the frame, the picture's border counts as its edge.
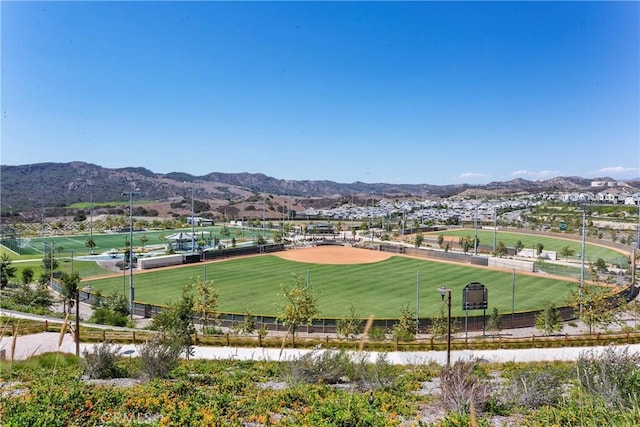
(62, 184)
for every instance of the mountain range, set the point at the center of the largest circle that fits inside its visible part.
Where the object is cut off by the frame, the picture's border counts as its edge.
(62, 184)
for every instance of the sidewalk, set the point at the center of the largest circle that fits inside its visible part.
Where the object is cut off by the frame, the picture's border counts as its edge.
(26, 346)
(29, 345)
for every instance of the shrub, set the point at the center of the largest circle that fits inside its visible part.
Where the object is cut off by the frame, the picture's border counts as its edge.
(329, 367)
(102, 363)
(613, 375)
(158, 357)
(533, 387)
(370, 376)
(461, 387)
(376, 333)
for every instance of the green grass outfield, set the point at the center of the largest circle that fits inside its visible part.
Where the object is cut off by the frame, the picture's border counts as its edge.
(381, 288)
(550, 243)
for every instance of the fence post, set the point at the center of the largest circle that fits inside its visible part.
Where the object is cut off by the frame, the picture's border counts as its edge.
(500, 342)
(227, 338)
(396, 343)
(134, 336)
(195, 337)
(46, 325)
(628, 338)
(104, 336)
(431, 342)
(598, 338)
(327, 339)
(566, 339)
(259, 340)
(533, 341)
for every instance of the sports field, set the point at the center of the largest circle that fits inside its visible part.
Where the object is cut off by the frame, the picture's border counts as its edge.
(35, 247)
(530, 241)
(381, 287)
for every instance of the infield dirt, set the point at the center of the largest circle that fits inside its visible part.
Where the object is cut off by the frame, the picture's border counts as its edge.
(331, 254)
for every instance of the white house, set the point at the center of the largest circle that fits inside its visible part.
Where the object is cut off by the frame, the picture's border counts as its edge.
(632, 199)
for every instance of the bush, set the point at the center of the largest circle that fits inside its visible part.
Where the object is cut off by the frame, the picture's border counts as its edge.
(461, 387)
(329, 367)
(533, 387)
(613, 375)
(102, 363)
(376, 333)
(370, 376)
(104, 316)
(158, 357)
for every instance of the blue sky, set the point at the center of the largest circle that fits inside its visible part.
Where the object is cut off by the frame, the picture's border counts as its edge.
(396, 92)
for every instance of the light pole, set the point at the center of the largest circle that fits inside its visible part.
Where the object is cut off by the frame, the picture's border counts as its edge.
(475, 241)
(447, 292)
(131, 289)
(582, 253)
(193, 220)
(91, 218)
(417, 302)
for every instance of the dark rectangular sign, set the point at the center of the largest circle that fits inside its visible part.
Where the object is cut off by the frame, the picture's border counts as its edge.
(475, 297)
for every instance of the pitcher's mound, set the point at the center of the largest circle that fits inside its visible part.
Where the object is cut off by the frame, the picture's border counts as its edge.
(330, 254)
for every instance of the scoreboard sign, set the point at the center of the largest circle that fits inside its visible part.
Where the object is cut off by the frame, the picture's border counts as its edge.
(475, 296)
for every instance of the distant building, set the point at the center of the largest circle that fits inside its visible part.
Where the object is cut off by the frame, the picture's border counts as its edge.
(632, 199)
(320, 228)
(199, 221)
(613, 196)
(609, 184)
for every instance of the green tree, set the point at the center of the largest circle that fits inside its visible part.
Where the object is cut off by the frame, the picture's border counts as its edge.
(519, 246)
(49, 262)
(466, 242)
(404, 329)
(175, 322)
(7, 270)
(350, 325)
(566, 252)
(111, 310)
(91, 244)
(495, 321)
(601, 265)
(69, 289)
(143, 241)
(248, 324)
(595, 306)
(548, 320)
(206, 300)
(419, 240)
(27, 275)
(539, 249)
(301, 305)
(440, 240)
(501, 249)
(38, 297)
(439, 324)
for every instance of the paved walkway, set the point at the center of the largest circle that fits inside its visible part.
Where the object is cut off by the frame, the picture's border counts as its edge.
(23, 347)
